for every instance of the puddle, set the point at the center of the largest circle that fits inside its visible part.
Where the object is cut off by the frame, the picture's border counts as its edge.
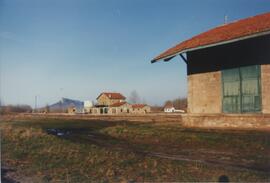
(58, 132)
(67, 132)
(5, 178)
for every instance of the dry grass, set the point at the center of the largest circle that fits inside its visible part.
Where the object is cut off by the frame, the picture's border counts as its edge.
(117, 151)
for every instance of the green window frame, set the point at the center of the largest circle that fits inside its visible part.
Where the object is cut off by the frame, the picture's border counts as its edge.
(241, 90)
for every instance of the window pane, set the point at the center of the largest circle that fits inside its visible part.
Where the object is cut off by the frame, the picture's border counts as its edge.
(231, 88)
(250, 72)
(231, 75)
(250, 87)
(231, 104)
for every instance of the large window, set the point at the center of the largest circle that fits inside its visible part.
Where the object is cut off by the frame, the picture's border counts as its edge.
(241, 90)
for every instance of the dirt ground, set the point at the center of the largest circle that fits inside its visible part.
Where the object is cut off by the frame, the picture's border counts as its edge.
(133, 150)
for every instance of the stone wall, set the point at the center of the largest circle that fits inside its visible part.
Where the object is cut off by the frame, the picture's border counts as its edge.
(143, 110)
(237, 121)
(265, 83)
(125, 108)
(204, 93)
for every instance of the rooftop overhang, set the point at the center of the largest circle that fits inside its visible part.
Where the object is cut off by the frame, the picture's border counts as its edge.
(168, 57)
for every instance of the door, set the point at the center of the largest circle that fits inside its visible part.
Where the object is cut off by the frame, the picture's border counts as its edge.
(241, 90)
(251, 88)
(231, 91)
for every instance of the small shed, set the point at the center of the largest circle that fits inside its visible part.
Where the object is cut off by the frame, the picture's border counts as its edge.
(228, 67)
(140, 108)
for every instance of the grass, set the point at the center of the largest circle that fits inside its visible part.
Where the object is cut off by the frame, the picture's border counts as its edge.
(123, 151)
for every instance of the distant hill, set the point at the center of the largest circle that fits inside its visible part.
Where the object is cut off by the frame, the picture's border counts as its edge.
(64, 104)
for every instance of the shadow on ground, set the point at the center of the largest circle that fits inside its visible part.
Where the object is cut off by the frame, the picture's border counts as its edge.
(89, 133)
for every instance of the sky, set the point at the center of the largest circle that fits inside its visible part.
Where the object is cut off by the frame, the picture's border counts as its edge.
(80, 48)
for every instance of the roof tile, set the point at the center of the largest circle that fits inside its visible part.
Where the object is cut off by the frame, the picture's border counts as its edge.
(113, 95)
(227, 32)
(138, 105)
(118, 104)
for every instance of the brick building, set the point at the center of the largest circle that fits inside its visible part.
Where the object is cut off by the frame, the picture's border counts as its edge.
(115, 103)
(109, 98)
(228, 67)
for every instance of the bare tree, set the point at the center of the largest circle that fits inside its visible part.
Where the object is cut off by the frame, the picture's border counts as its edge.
(134, 97)
(144, 101)
(168, 102)
(16, 109)
(180, 103)
(2, 102)
(156, 108)
(47, 108)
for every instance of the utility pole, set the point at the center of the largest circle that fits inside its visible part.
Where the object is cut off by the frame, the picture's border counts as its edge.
(36, 103)
(62, 100)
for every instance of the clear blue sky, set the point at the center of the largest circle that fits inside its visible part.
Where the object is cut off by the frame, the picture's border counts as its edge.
(79, 48)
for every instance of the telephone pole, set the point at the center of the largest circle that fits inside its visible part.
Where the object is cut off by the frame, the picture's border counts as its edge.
(36, 103)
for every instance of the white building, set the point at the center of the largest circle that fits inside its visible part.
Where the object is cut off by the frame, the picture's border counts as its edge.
(169, 107)
(87, 105)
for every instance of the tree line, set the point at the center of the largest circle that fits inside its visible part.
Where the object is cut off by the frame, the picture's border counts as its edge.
(15, 109)
(178, 103)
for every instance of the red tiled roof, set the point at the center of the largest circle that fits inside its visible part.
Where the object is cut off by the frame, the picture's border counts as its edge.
(222, 34)
(118, 104)
(138, 105)
(111, 95)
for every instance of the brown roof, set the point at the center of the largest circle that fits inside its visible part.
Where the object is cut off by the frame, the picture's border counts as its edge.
(241, 29)
(112, 95)
(138, 105)
(118, 104)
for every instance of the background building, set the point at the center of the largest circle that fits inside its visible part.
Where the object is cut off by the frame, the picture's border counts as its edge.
(109, 98)
(114, 103)
(87, 105)
(169, 107)
(120, 108)
(140, 109)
